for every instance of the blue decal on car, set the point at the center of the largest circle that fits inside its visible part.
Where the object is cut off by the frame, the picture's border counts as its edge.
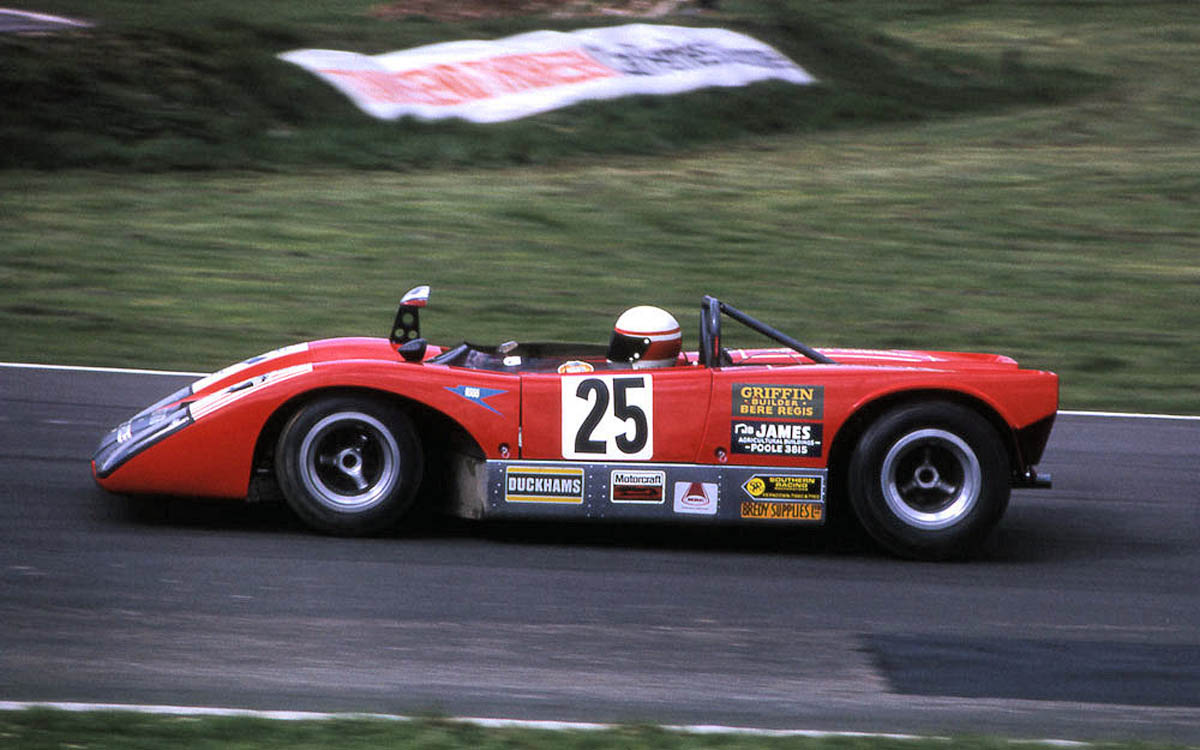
(477, 395)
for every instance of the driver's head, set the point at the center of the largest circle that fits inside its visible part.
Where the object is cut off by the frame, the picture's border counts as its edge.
(645, 336)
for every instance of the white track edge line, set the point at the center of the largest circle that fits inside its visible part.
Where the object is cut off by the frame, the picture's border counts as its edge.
(1129, 415)
(45, 17)
(553, 726)
(129, 371)
(117, 370)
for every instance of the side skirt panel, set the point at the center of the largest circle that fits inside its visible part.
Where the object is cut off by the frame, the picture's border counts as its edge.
(654, 492)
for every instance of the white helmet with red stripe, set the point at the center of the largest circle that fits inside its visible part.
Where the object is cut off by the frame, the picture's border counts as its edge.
(645, 336)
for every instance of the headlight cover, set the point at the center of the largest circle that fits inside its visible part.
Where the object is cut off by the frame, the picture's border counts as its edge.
(136, 435)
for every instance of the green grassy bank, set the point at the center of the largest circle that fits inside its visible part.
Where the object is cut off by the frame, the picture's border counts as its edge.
(1064, 230)
(54, 730)
(198, 86)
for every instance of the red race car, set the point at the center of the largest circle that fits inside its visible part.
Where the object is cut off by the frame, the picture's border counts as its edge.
(355, 432)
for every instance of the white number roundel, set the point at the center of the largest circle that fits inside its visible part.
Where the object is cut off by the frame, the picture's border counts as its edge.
(608, 417)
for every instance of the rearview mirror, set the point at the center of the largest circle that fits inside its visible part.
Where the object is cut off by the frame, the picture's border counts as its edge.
(413, 351)
(407, 326)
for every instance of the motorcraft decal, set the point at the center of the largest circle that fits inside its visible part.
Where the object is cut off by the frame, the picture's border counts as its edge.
(477, 394)
(637, 486)
(543, 484)
(522, 75)
(778, 401)
(802, 439)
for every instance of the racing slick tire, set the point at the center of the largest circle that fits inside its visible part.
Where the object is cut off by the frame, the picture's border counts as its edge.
(929, 480)
(349, 465)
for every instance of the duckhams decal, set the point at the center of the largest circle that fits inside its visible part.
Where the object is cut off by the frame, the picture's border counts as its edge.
(543, 484)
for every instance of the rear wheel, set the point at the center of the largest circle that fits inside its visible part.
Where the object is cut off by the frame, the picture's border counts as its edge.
(349, 465)
(929, 480)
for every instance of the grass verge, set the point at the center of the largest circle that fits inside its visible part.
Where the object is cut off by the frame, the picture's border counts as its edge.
(199, 86)
(34, 729)
(931, 243)
(1064, 234)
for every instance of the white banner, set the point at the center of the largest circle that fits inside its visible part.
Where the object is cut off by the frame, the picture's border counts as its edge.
(505, 79)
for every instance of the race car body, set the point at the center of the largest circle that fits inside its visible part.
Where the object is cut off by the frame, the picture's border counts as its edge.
(923, 446)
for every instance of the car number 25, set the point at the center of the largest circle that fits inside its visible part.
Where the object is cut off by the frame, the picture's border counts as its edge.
(608, 417)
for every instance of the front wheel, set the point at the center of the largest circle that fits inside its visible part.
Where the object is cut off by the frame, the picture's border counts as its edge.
(349, 465)
(929, 480)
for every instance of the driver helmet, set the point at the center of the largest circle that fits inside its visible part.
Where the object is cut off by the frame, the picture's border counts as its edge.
(645, 337)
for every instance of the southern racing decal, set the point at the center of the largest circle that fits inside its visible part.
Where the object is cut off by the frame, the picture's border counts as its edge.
(543, 484)
(775, 487)
(775, 438)
(477, 395)
(779, 401)
(783, 497)
(782, 511)
(628, 486)
(608, 417)
(696, 497)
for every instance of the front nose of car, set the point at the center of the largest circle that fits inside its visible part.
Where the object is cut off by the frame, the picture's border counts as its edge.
(136, 435)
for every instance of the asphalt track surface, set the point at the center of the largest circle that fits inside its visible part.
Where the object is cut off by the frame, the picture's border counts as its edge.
(1079, 620)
